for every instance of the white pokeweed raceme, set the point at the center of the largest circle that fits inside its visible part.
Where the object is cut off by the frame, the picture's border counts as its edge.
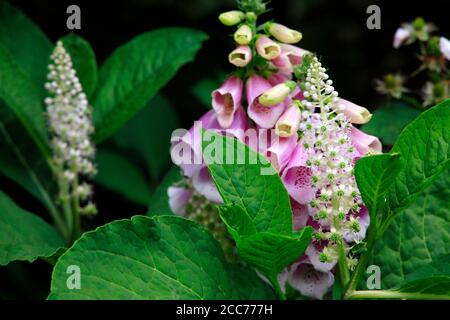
(70, 127)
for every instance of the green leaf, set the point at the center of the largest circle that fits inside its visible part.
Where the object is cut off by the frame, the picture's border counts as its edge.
(24, 236)
(237, 220)
(147, 136)
(135, 72)
(388, 121)
(119, 174)
(425, 148)
(22, 97)
(20, 160)
(257, 211)
(416, 237)
(164, 257)
(159, 201)
(83, 58)
(433, 278)
(262, 196)
(270, 253)
(374, 175)
(26, 42)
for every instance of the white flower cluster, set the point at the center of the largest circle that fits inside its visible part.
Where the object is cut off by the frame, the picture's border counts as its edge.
(325, 137)
(70, 124)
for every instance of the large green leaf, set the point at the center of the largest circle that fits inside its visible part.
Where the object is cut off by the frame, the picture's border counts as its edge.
(388, 121)
(432, 279)
(257, 211)
(83, 58)
(163, 257)
(270, 253)
(135, 72)
(20, 160)
(425, 148)
(159, 201)
(374, 176)
(23, 235)
(26, 42)
(417, 236)
(262, 196)
(147, 136)
(117, 173)
(19, 93)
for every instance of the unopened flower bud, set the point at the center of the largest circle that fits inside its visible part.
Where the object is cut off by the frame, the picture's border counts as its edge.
(230, 18)
(277, 94)
(267, 48)
(354, 113)
(241, 56)
(243, 35)
(289, 121)
(283, 33)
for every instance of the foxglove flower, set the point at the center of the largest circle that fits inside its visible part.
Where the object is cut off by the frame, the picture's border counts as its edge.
(178, 199)
(226, 100)
(277, 94)
(283, 33)
(309, 281)
(267, 48)
(354, 113)
(230, 18)
(243, 35)
(290, 57)
(289, 121)
(364, 143)
(264, 116)
(241, 56)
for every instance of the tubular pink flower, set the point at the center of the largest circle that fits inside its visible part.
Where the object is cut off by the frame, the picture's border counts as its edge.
(267, 48)
(178, 198)
(191, 141)
(310, 282)
(227, 99)
(364, 142)
(290, 56)
(264, 117)
(444, 45)
(287, 124)
(300, 215)
(241, 56)
(278, 77)
(203, 184)
(354, 113)
(296, 177)
(280, 150)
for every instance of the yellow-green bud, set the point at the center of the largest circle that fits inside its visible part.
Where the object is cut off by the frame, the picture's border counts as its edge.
(277, 94)
(243, 35)
(283, 33)
(231, 18)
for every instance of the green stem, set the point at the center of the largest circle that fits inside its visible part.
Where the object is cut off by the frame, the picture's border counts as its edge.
(360, 268)
(76, 210)
(46, 197)
(64, 195)
(344, 272)
(276, 286)
(388, 294)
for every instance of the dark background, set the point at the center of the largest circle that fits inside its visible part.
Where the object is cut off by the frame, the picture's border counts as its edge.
(335, 29)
